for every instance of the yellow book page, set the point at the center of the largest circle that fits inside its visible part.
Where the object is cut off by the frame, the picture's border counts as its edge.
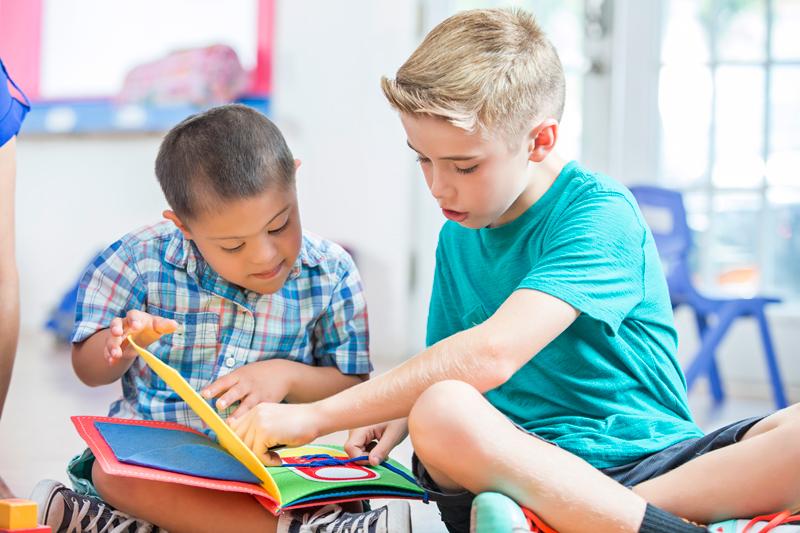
(227, 438)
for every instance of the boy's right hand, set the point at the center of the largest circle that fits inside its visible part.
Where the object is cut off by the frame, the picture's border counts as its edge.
(388, 435)
(145, 329)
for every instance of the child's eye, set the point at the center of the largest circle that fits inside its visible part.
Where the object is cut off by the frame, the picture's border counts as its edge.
(276, 231)
(469, 170)
(421, 159)
(234, 249)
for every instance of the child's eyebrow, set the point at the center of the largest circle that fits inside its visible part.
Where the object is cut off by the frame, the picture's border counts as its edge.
(448, 158)
(279, 213)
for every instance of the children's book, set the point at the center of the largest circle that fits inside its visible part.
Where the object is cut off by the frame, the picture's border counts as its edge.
(163, 451)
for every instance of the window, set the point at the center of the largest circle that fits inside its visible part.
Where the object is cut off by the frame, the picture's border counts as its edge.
(730, 140)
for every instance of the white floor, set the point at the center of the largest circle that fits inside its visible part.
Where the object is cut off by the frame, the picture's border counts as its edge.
(37, 438)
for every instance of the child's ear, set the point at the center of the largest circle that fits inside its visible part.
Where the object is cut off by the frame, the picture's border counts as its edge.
(170, 215)
(542, 139)
(297, 164)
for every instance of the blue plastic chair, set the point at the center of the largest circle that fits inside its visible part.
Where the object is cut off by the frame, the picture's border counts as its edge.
(674, 242)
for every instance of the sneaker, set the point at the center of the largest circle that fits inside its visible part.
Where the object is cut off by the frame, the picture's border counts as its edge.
(66, 511)
(493, 512)
(394, 517)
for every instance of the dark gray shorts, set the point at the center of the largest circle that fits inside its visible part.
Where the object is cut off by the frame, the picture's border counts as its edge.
(455, 506)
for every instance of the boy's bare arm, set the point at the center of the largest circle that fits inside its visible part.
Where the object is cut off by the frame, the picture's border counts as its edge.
(314, 383)
(484, 356)
(105, 356)
(9, 278)
(92, 367)
(277, 380)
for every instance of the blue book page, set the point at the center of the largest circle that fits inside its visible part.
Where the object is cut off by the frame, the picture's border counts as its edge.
(183, 452)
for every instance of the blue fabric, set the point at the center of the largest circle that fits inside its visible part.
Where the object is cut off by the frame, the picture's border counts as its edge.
(12, 111)
(173, 451)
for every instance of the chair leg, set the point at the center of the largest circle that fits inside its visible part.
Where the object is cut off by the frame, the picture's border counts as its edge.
(704, 359)
(715, 382)
(772, 362)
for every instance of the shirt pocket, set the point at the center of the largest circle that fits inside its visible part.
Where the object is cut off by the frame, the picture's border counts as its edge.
(192, 350)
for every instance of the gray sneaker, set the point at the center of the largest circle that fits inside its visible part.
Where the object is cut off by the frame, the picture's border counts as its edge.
(395, 517)
(66, 511)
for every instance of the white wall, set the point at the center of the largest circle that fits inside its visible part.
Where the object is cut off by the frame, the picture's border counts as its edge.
(358, 183)
(78, 194)
(355, 182)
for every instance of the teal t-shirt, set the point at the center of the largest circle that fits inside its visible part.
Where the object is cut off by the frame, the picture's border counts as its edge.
(608, 389)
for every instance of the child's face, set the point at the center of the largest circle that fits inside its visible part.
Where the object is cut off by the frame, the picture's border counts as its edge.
(252, 242)
(475, 180)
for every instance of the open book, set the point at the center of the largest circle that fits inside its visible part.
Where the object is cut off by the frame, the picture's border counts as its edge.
(163, 451)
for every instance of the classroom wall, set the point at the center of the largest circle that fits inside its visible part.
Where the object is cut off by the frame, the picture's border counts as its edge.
(358, 184)
(77, 194)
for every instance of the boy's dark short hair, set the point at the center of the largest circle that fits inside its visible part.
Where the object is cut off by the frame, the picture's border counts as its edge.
(229, 152)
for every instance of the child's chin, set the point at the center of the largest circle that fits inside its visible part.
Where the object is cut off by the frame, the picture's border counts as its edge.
(267, 287)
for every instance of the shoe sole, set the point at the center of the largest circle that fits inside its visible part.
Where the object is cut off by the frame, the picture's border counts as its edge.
(43, 492)
(495, 513)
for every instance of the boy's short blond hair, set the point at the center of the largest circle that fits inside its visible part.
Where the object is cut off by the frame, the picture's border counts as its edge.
(487, 70)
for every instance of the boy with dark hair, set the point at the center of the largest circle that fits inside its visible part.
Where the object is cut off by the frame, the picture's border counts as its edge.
(232, 293)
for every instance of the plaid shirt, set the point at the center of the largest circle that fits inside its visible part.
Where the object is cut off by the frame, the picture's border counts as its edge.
(318, 317)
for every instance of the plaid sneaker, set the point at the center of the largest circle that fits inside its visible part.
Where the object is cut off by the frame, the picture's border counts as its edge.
(395, 517)
(66, 511)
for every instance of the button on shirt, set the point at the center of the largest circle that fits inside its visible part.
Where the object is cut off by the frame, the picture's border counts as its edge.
(318, 317)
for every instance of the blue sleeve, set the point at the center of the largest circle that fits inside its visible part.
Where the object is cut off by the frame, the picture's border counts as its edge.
(109, 288)
(12, 111)
(594, 258)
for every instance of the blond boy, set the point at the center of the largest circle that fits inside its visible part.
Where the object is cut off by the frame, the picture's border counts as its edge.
(550, 374)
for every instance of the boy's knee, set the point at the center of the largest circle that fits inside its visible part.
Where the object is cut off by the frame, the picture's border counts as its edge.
(111, 488)
(441, 417)
(442, 403)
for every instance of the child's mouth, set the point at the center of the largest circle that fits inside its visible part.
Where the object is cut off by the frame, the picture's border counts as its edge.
(455, 216)
(269, 274)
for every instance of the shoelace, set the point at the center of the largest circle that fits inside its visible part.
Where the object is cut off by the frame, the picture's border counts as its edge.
(124, 520)
(326, 516)
(774, 520)
(324, 459)
(321, 517)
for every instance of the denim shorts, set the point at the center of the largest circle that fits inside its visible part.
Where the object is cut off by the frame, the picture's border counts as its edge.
(455, 506)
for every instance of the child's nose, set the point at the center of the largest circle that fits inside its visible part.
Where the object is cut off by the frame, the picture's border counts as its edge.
(437, 185)
(265, 252)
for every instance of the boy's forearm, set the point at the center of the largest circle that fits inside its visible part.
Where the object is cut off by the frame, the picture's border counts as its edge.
(312, 383)
(464, 356)
(9, 333)
(92, 367)
(484, 356)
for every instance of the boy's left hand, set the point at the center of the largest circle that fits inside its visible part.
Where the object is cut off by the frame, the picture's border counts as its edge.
(254, 383)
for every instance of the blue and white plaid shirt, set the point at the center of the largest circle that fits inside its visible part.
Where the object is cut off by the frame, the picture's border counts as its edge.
(319, 316)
